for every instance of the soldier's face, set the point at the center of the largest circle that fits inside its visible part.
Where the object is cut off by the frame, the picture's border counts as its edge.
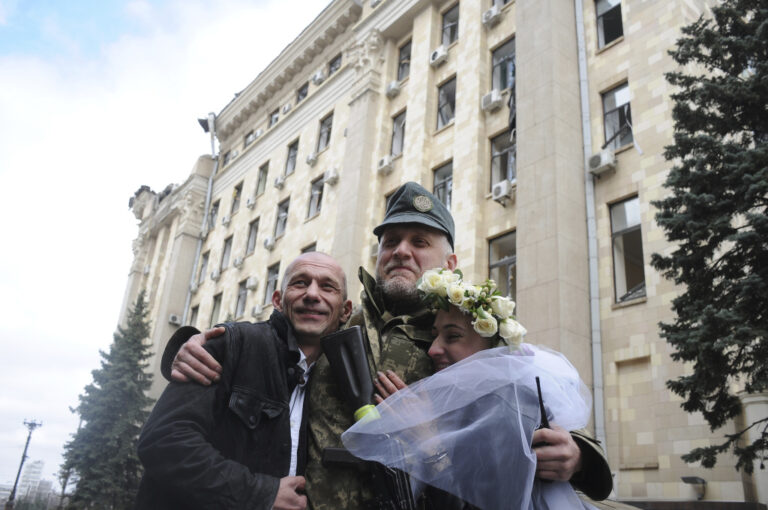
(312, 297)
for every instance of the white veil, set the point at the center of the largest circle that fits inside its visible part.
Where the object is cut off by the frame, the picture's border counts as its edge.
(467, 429)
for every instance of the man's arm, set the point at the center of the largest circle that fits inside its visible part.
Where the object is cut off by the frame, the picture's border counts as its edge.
(186, 359)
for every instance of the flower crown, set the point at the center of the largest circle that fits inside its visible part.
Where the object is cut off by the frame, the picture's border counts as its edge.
(491, 312)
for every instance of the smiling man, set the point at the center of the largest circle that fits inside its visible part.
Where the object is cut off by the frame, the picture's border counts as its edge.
(241, 443)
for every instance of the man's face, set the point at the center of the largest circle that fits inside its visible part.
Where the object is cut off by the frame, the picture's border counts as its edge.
(405, 252)
(313, 296)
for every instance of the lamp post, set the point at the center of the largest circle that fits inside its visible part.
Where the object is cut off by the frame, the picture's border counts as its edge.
(31, 425)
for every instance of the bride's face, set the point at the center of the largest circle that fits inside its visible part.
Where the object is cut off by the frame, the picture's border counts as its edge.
(455, 339)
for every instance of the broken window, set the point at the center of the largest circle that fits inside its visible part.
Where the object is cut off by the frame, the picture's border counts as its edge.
(404, 61)
(628, 273)
(617, 116)
(446, 102)
(451, 25)
(504, 65)
(290, 162)
(398, 134)
(253, 231)
(609, 26)
(443, 183)
(315, 197)
(282, 217)
(502, 263)
(503, 158)
(272, 273)
(325, 132)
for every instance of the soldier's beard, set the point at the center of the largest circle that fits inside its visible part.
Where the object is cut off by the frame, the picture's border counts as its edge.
(400, 297)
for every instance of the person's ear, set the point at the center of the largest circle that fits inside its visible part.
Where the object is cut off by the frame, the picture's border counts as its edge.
(276, 300)
(346, 311)
(451, 261)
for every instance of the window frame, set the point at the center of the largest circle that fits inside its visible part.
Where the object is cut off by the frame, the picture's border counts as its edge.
(623, 114)
(249, 138)
(496, 79)
(317, 184)
(270, 283)
(237, 194)
(274, 118)
(253, 233)
(508, 261)
(215, 310)
(398, 136)
(445, 185)
(213, 214)
(600, 22)
(442, 93)
(334, 64)
(639, 290)
(261, 180)
(324, 134)
(226, 253)
(495, 156)
(404, 61)
(449, 29)
(291, 158)
(242, 297)
(283, 208)
(302, 92)
(204, 258)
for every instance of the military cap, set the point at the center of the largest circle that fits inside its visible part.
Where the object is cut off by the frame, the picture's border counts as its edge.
(411, 203)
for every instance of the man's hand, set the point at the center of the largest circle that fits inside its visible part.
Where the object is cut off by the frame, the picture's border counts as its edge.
(387, 384)
(288, 497)
(192, 362)
(559, 458)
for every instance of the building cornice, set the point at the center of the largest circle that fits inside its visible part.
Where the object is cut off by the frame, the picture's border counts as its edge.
(321, 33)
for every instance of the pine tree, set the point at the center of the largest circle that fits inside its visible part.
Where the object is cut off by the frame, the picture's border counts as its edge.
(102, 453)
(716, 217)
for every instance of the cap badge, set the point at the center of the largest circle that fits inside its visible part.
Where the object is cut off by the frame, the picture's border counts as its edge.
(422, 203)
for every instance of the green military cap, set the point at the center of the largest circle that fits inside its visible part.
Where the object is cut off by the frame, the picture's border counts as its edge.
(411, 203)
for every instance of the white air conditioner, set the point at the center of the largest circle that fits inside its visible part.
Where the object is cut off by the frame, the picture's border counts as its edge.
(438, 56)
(602, 162)
(279, 182)
(258, 133)
(251, 283)
(393, 89)
(174, 319)
(312, 158)
(146, 269)
(250, 203)
(491, 101)
(215, 275)
(238, 262)
(318, 78)
(225, 220)
(331, 176)
(257, 310)
(385, 165)
(503, 191)
(269, 243)
(492, 16)
(286, 108)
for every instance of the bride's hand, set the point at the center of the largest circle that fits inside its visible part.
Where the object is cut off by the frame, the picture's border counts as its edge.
(387, 384)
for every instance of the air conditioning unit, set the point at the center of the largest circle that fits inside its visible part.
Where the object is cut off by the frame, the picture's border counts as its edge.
(257, 310)
(393, 89)
(602, 162)
(269, 243)
(286, 108)
(193, 287)
(146, 269)
(503, 191)
(331, 176)
(312, 158)
(225, 220)
(250, 203)
(492, 16)
(251, 283)
(279, 182)
(238, 262)
(318, 78)
(438, 56)
(385, 165)
(215, 275)
(258, 133)
(174, 319)
(491, 101)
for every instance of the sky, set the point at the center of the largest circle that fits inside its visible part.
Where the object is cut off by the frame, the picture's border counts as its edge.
(99, 97)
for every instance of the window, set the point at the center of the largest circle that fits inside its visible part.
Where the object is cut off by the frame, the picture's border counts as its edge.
(446, 102)
(315, 198)
(227, 157)
(628, 275)
(503, 164)
(501, 2)
(261, 182)
(272, 273)
(282, 217)
(242, 294)
(502, 263)
(608, 21)
(213, 214)
(325, 132)
(504, 65)
(253, 231)
(398, 134)
(451, 25)
(237, 193)
(617, 117)
(203, 267)
(249, 138)
(226, 252)
(312, 247)
(404, 61)
(215, 310)
(302, 93)
(193, 315)
(274, 117)
(334, 65)
(290, 162)
(444, 183)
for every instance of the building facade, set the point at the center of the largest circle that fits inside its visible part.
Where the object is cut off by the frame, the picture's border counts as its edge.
(540, 122)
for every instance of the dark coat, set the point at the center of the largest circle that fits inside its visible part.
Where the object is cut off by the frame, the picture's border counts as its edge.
(228, 444)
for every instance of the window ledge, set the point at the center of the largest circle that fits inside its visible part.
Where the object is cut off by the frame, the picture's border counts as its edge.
(610, 45)
(395, 157)
(404, 81)
(444, 128)
(324, 149)
(310, 218)
(629, 302)
(624, 148)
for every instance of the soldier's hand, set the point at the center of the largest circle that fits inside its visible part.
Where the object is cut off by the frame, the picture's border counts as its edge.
(192, 362)
(288, 497)
(560, 457)
(387, 384)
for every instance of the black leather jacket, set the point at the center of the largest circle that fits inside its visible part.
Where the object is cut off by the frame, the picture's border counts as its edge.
(226, 445)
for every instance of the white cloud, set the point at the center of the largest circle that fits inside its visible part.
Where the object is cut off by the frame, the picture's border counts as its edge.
(77, 137)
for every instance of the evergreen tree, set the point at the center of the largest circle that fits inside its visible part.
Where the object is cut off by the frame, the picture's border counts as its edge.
(716, 217)
(113, 408)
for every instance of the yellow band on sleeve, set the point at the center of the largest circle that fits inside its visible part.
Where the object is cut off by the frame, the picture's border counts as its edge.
(367, 413)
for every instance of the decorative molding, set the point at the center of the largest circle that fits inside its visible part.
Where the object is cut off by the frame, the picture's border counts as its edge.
(368, 54)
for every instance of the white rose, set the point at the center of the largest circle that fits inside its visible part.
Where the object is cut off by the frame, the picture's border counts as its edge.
(485, 324)
(467, 304)
(450, 277)
(502, 306)
(512, 331)
(431, 281)
(455, 293)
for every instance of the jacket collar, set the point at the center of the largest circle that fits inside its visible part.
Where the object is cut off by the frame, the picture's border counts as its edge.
(373, 298)
(284, 330)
